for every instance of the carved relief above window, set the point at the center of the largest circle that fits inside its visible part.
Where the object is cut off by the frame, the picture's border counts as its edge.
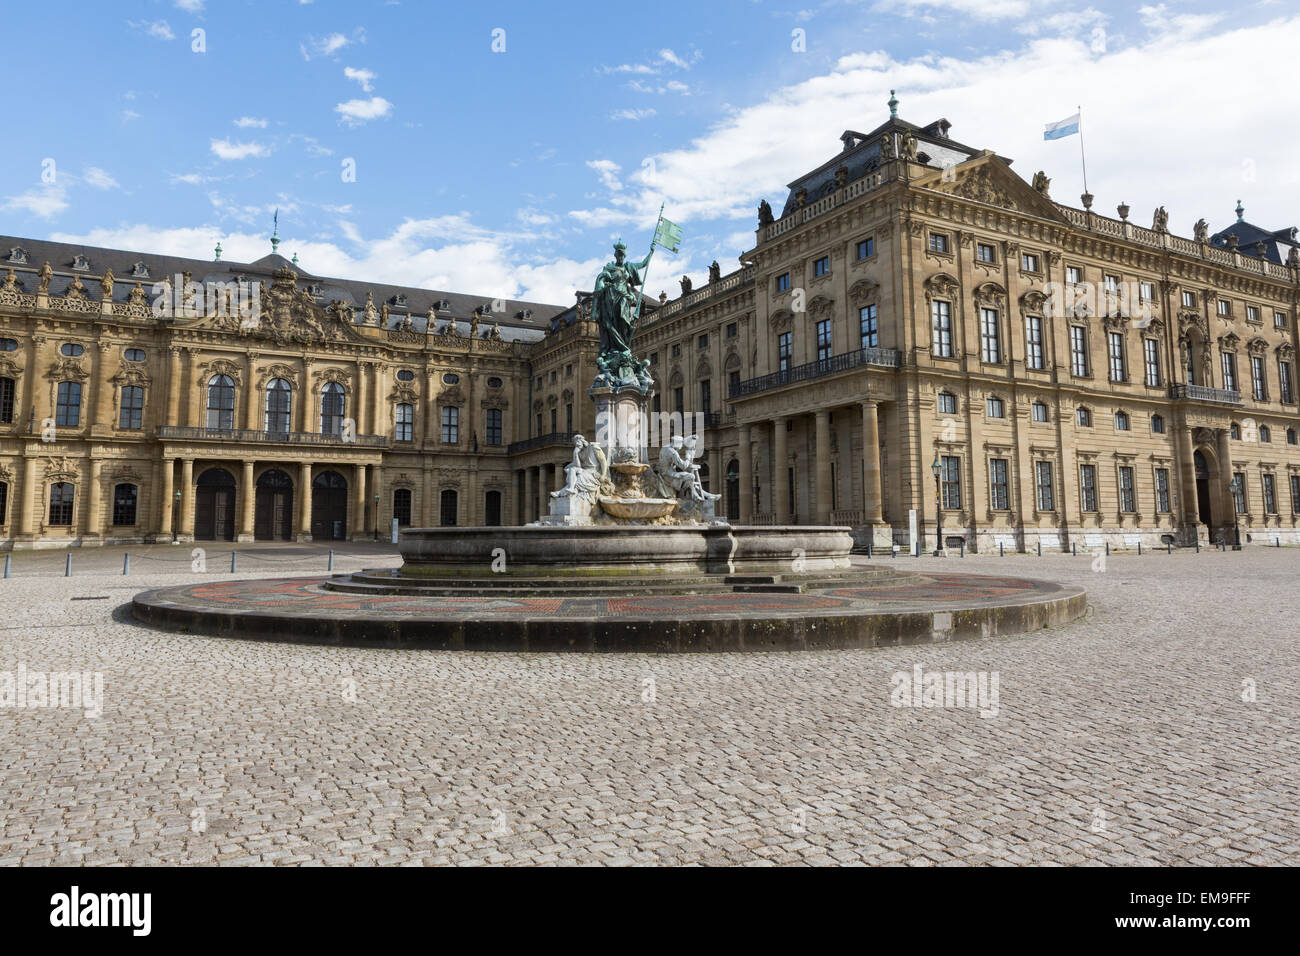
(864, 290)
(284, 372)
(990, 295)
(219, 367)
(781, 320)
(941, 286)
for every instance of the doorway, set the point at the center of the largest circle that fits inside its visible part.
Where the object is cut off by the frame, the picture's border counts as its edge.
(214, 506)
(1204, 509)
(273, 519)
(329, 507)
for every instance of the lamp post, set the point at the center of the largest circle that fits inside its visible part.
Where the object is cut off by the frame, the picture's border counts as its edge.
(176, 515)
(935, 469)
(376, 516)
(1235, 487)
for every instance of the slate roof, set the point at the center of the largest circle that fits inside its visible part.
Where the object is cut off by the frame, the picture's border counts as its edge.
(519, 320)
(861, 155)
(1277, 244)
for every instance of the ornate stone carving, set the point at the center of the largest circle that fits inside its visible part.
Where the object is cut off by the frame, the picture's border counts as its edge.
(864, 289)
(1042, 184)
(990, 295)
(1160, 220)
(941, 286)
(978, 185)
(1201, 231)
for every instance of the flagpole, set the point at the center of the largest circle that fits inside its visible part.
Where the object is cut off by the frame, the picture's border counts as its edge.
(640, 295)
(1082, 157)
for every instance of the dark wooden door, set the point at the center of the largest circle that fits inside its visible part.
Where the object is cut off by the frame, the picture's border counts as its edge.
(329, 507)
(273, 514)
(214, 506)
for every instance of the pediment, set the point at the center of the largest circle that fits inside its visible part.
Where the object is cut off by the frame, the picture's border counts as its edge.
(987, 179)
(284, 313)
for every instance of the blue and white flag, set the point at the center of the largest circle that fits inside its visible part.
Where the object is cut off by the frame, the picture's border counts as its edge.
(1066, 127)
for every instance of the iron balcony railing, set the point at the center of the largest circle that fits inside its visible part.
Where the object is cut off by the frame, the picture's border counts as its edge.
(1203, 393)
(542, 441)
(885, 358)
(192, 433)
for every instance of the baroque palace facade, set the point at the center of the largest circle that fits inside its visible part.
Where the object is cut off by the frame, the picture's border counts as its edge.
(918, 329)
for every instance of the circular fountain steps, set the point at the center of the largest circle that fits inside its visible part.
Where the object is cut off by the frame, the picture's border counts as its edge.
(853, 611)
(385, 582)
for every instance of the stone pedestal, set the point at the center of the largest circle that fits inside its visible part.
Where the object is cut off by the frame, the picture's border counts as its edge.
(622, 426)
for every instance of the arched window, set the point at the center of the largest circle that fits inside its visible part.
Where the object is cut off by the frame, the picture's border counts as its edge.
(68, 411)
(1158, 424)
(131, 414)
(1121, 421)
(61, 503)
(448, 508)
(404, 422)
(124, 502)
(402, 506)
(332, 408)
(221, 402)
(6, 400)
(278, 405)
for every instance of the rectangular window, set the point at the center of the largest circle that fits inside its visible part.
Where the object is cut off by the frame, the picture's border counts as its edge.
(947, 403)
(1034, 342)
(1029, 262)
(1230, 371)
(1146, 291)
(867, 248)
(1039, 411)
(822, 266)
(1078, 351)
(1162, 490)
(1258, 385)
(494, 426)
(950, 482)
(990, 341)
(823, 340)
(131, 414)
(1151, 361)
(451, 425)
(1088, 487)
(1279, 320)
(706, 396)
(1127, 499)
(124, 504)
(1043, 484)
(1252, 313)
(1073, 275)
(1189, 300)
(554, 424)
(732, 330)
(1239, 496)
(986, 253)
(941, 316)
(677, 350)
(568, 418)
(1270, 494)
(938, 242)
(1115, 353)
(1295, 494)
(733, 383)
(867, 327)
(703, 341)
(783, 282)
(999, 490)
(6, 400)
(791, 504)
(654, 358)
(783, 351)
(68, 409)
(1224, 307)
(1284, 374)
(405, 421)
(995, 407)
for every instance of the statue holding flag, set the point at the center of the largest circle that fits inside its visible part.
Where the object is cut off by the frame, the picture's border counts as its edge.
(616, 307)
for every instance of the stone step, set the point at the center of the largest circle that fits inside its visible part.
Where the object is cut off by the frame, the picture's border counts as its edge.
(768, 589)
(752, 579)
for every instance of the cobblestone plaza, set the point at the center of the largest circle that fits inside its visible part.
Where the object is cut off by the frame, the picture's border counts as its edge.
(1161, 729)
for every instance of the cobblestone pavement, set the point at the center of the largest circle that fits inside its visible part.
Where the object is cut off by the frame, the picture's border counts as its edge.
(1122, 739)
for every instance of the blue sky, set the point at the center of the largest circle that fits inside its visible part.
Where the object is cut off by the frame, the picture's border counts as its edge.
(508, 173)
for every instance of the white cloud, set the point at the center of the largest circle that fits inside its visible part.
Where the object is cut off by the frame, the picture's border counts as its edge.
(608, 171)
(330, 44)
(1136, 106)
(44, 202)
(225, 149)
(96, 177)
(247, 122)
(154, 28)
(979, 9)
(190, 6)
(364, 77)
(355, 112)
(630, 114)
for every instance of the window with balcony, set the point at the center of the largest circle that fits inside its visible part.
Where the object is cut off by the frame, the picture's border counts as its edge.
(783, 347)
(1286, 379)
(1229, 360)
(1258, 383)
(221, 402)
(279, 405)
(332, 408)
(867, 327)
(824, 340)
(706, 396)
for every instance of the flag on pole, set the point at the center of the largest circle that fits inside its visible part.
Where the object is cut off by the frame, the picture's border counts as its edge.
(668, 234)
(1062, 128)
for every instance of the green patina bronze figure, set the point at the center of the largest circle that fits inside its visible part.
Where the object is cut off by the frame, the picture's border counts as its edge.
(615, 308)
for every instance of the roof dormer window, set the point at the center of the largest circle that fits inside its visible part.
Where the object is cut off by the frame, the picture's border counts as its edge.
(18, 255)
(139, 271)
(81, 264)
(399, 299)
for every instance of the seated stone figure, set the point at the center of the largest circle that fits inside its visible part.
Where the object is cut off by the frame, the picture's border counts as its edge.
(587, 474)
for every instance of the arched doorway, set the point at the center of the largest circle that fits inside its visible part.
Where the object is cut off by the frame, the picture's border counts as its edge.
(273, 519)
(329, 507)
(214, 506)
(492, 509)
(733, 490)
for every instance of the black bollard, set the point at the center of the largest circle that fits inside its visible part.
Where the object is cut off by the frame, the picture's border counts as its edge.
(232, 561)
(126, 562)
(331, 564)
(67, 566)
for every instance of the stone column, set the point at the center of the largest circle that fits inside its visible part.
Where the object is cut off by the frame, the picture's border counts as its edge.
(168, 493)
(187, 498)
(359, 406)
(544, 490)
(378, 422)
(1187, 477)
(252, 403)
(359, 505)
(102, 423)
(304, 501)
(780, 473)
(93, 512)
(247, 498)
(746, 481)
(27, 502)
(310, 401)
(872, 495)
(1225, 478)
(173, 412)
(716, 478)
(528, 499)
(823, 466)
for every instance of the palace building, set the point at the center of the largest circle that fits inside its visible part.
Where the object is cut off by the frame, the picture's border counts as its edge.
(918, 329)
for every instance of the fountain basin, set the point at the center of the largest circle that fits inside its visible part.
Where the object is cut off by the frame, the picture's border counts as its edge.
(644, 509)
